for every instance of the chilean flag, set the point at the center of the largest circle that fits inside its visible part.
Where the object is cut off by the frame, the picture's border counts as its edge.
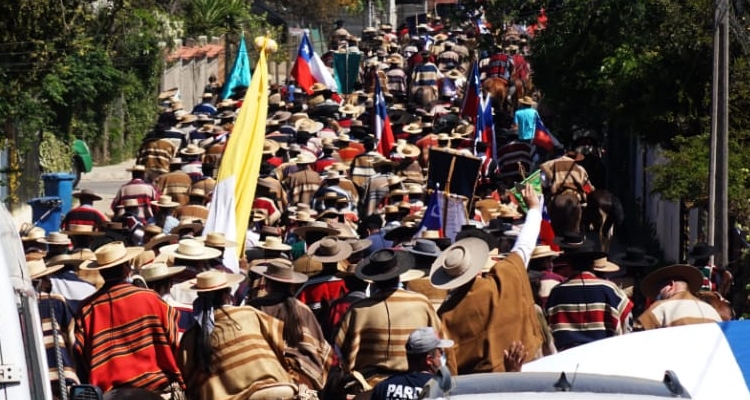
(383, 129)
(543, 137)
(484, 128)
(470, 106)
(433, 219)
(309, 69)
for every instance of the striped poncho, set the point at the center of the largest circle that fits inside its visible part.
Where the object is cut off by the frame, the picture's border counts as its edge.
(126, 336)
(247, 347)
(373, 333)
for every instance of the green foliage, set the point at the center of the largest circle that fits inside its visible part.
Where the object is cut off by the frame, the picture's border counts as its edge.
(54, 155)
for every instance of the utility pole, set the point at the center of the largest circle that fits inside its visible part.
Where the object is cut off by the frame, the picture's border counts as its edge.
(718, 217)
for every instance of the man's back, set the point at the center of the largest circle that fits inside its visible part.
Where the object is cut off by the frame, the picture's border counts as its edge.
(118, 344)
(681, 309)
(586, 308)
(401, 386)
(372, 334)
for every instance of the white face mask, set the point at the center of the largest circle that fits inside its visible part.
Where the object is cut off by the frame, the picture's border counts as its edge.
(443, 360)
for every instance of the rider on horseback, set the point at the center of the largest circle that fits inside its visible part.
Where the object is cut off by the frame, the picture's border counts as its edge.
(564, 174)
(500, 65)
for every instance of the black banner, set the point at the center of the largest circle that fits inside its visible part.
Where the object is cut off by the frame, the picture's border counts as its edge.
(462, 175)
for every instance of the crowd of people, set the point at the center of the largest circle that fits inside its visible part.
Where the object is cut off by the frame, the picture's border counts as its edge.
(340, 289)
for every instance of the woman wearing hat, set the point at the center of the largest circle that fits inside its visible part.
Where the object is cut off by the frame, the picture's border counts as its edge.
(674, 289)
(307, 350)
(57, 326)
(140, 345)
(232, 352)
(165, 213)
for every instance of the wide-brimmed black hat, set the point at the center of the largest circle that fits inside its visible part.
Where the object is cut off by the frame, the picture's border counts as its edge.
(702, 250)
(384, 265)
(574, 241)
(581, 260)
(634, 257)
(401, 232)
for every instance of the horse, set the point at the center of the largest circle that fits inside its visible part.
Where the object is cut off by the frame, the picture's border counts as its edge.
(603, 212)
(719, 303)
(565, 212)
(497, 88)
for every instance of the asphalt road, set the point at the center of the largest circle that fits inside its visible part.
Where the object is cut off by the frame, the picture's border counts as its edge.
(105, 181)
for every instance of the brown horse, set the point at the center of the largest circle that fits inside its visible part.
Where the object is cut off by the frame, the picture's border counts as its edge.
(565, 212)
(603, 212)
(497, 88)
(719, 303)
(424, 96)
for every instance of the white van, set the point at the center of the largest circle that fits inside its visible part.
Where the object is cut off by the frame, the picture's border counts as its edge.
(23, 363)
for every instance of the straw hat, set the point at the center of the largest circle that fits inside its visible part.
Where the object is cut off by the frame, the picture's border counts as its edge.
(526, 100)
(301, 216)
(279, 271)
(308, 125)
(55, 238)
(38, 269)
(274, 243)
(454, 74)
(329, 249)
(412, 274)
(165, 201)
(161, 238)
(153, 229)
(350, 109)
(305, 158)
(128, 203)
(191, 249)
(407, 150)
(605, 266)
(81, 230)
(544, 251)
(359, 245)
(213, 280)
(32, 234)
(195, 226)
(157, 271)
(87, 193)
(383, 265)
(136, 168)
(459, 263)
(270, 146)
(69, 259)
(315, 226)
(111, 255)
(318, 87)
(651, 284)
(413, 129)
(192, 150)
(217, 239)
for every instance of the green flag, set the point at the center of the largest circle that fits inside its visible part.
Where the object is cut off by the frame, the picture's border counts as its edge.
(535, 179)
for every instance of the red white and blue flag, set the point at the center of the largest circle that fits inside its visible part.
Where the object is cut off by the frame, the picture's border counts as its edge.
(484, 128)
(309, 69)
(470, 106)
(382, 123)
(543, 137)
(432, 219)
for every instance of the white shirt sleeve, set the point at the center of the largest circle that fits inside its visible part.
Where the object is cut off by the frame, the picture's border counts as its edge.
(527, 238)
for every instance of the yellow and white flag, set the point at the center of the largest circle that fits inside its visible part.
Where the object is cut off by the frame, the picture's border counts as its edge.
(233, 196)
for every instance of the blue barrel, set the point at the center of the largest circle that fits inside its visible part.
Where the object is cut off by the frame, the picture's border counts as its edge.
(46, 212)
(60, 184)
